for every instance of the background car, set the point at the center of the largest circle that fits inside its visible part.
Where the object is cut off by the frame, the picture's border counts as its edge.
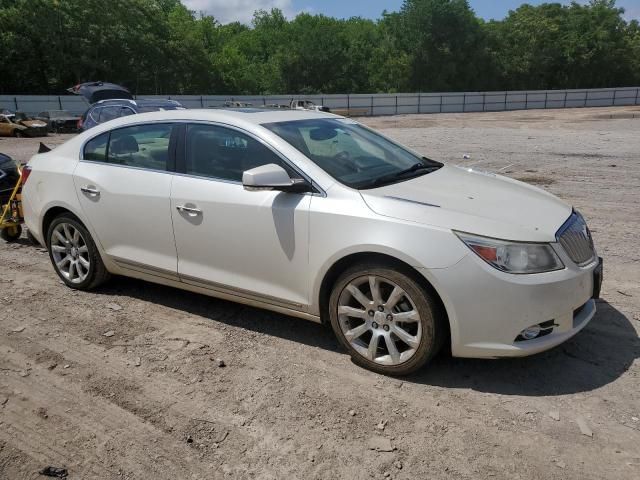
(59, 120)
(106, 110)
(8, 177)
(21, 125)
(94, 92)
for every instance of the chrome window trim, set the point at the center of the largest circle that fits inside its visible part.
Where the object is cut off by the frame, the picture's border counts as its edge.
(320, 191)
(106, 164)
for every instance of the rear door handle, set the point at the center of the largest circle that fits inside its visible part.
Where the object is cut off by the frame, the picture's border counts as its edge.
(94, 192)
(189, 210)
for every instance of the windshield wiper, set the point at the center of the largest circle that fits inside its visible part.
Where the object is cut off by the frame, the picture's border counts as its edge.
(405, 174)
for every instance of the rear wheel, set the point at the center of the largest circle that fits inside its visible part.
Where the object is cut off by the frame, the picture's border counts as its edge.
(387, 321)
(74, 254)
(11, 234)
(18, 134)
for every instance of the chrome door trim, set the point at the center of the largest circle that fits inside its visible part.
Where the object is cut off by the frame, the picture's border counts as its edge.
(247, 295)
(239, 292)
(146, 269)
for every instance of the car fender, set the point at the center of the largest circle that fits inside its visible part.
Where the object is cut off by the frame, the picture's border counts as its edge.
(366, 249)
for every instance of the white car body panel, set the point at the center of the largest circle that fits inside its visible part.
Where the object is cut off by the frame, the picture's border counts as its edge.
(130, 215)
(273, 249)
(221, 246)
(482, 203)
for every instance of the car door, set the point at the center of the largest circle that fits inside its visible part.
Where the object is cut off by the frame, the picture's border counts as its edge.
(249, 243)
(124, 183)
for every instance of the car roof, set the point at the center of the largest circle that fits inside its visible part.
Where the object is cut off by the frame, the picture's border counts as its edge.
(139, 102)
(237, 116)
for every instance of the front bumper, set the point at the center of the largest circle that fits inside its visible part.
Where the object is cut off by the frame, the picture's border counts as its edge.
(488, 309)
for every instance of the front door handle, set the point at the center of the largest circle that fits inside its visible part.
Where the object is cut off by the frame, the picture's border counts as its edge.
(189, 210)
(94, 192)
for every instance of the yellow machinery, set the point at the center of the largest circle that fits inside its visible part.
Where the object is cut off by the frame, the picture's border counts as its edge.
(12, 218)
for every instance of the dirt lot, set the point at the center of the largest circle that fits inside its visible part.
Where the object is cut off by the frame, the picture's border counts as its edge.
(150, 401)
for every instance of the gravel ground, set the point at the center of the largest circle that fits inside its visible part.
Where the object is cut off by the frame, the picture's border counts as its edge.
(125, 382)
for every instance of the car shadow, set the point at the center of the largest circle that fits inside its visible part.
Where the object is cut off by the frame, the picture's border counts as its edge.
(230, 313)
(597, 356)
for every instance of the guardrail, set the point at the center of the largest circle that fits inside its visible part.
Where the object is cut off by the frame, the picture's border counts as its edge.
(372, 104)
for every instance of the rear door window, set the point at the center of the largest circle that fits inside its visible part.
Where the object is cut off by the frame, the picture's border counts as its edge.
(109, 113)
(141, 146)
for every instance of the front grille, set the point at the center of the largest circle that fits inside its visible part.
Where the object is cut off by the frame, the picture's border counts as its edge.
(575, 238)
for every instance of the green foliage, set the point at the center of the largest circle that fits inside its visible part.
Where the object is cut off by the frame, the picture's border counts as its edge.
(159, 46)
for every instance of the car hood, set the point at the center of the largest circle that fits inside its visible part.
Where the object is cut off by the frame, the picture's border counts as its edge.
(475, 202)
(33, 123)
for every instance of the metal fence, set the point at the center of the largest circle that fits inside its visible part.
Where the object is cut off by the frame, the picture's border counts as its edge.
(373, 104)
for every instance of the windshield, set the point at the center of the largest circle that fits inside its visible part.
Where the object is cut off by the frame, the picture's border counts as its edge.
(351, 153)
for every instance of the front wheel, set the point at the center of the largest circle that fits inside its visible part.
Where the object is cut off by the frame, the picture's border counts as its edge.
(74, 254)
(387, 321)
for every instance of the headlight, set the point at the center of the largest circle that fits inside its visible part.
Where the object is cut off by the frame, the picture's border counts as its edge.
(513, 257)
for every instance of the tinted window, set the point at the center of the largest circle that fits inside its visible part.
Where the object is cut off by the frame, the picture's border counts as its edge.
(93, 115)
(225, 153)
(109, 113)
(96, 148)
(143, 146)
(126, 111)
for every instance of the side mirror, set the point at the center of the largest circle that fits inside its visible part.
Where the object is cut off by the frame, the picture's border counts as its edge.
(272, 177)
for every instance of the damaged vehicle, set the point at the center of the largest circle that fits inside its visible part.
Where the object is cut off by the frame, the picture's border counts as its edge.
(317, 216)
(59, 121)
(94, 92)
(21, 125)
(110, 101)
(106, 110)
(307, 105)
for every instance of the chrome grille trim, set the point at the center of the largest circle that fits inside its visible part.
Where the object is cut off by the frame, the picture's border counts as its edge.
(575, 238)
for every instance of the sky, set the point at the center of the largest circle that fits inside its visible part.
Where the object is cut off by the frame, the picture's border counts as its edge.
(242, 10)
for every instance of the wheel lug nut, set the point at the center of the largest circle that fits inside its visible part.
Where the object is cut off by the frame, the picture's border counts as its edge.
(386, 328)
(380, 308)
(371, 313)
(390, 318)
(374, 325)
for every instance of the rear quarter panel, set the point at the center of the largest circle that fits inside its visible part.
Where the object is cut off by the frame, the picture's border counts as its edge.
(50, 185)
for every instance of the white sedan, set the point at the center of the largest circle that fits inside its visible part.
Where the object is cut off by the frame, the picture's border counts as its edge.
(317, 216)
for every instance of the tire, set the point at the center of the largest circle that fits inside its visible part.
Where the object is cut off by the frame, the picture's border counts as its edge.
(18, 134)
(416, 340)
(11, 234)
(88, 270)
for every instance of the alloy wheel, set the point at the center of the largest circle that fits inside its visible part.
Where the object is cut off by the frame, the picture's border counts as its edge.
(379, 320)
(70, 253)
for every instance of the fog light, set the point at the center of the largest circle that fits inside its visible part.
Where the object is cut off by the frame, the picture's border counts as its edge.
(531, 332)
